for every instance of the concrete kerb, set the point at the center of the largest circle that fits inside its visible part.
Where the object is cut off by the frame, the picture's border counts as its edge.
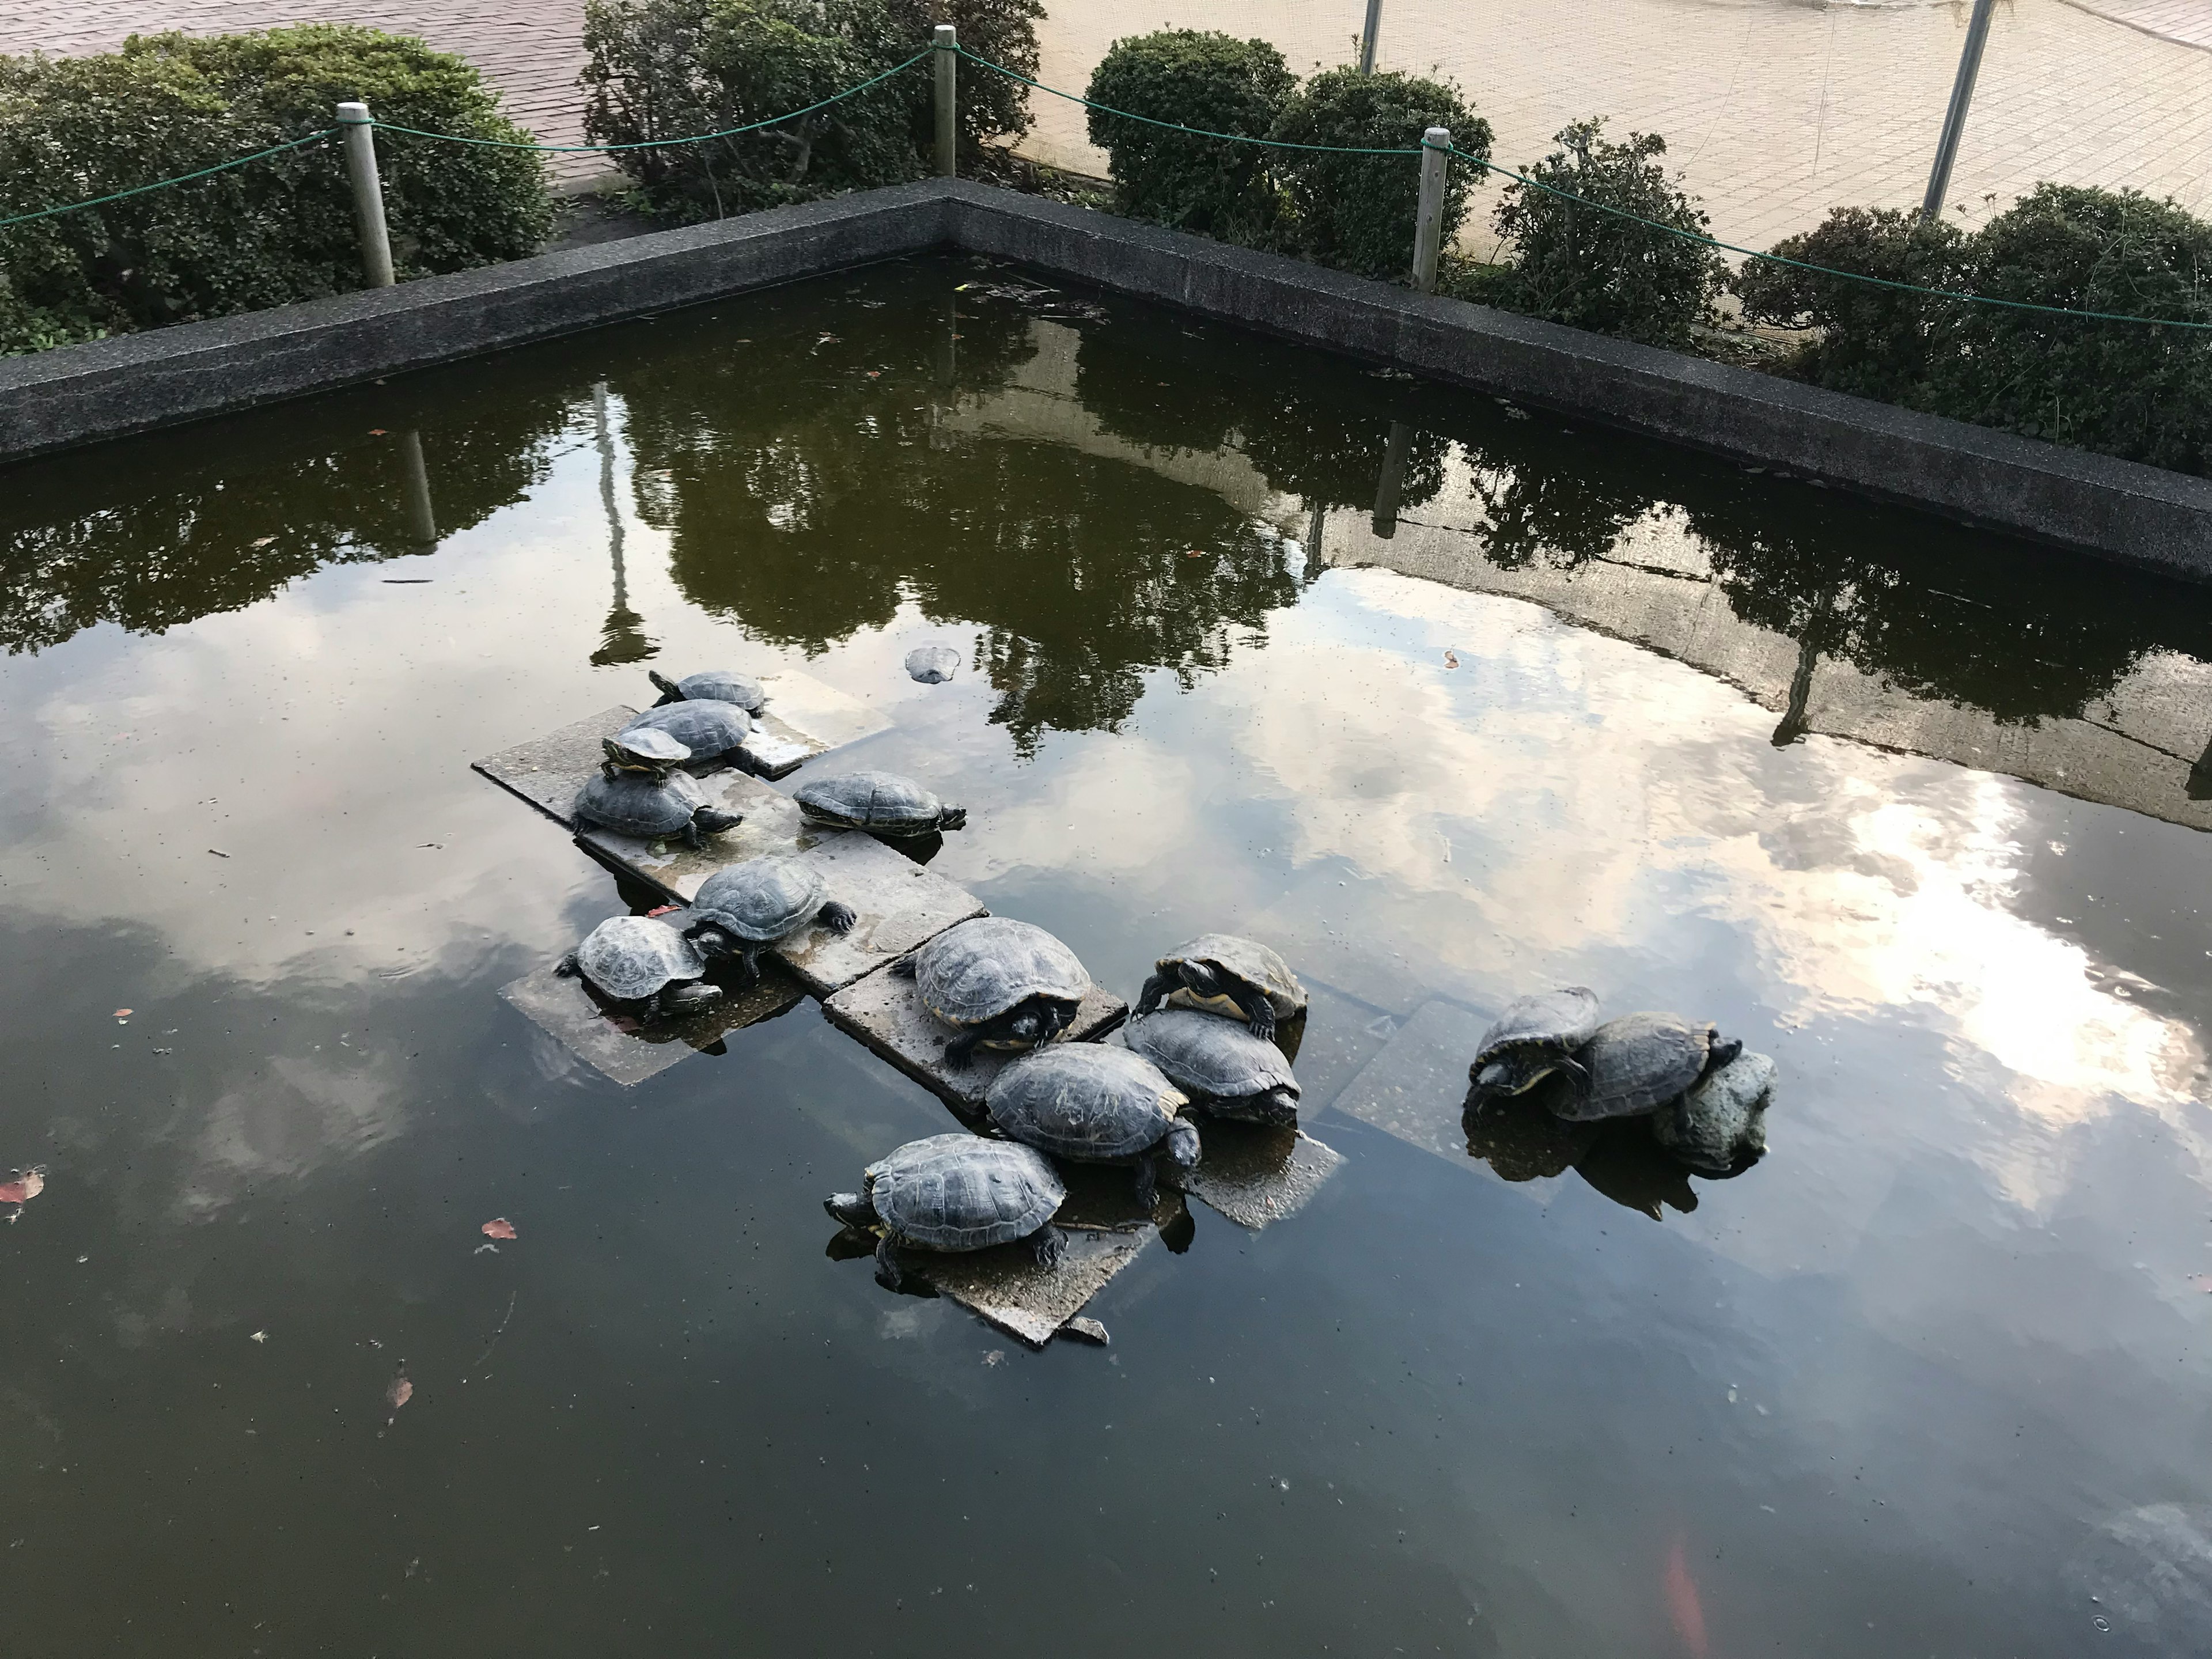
(2140, 515)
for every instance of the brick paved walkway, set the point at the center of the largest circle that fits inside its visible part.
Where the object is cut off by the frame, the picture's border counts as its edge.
(1775, 110)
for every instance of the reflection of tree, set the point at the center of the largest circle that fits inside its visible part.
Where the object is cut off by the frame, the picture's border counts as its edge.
(1315, 449)
(1152, 402)
(147, 552)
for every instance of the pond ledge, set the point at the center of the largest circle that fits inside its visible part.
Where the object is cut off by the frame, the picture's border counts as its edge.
(2142, 515)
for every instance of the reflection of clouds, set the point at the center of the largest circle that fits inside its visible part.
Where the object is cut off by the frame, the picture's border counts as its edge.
(305, 1113)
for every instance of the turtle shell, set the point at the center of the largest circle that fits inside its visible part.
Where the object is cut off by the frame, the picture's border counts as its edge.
(634, 803)
(1721, 1124)
(1219, 1058)
(1637, 1063)
(933, 665)
(981, 968)
(959, 1192)
(762, 899)
(630, 957)
(1241, 959)
(708, 730)
(882, 801)
(721, 685)
(1559, 1021)
(649, 743)
(1084, 1101)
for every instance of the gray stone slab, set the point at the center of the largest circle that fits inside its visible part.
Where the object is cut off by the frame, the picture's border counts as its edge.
(775, 748)
(564, 1010)
(1255, 1175)
(1005, 1286)
(900, 906)
(1416, 1088)
(773, 824)
(885, 1012)
(550, 770)
(819, 712)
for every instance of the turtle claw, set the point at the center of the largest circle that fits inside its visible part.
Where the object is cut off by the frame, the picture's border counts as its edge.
(838, 918)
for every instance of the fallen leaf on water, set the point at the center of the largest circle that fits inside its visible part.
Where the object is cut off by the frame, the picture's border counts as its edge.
(123, 1013)
(1195, 553)
(263, 541)
(376, 432)
(1451, 659)
(663, 910)
(1684, 1609)
(27, 1185)
(259, 1336)
(400, 1392)
(501, 1227)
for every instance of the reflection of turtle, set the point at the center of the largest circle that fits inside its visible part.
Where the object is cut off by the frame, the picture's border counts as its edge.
(1634, 1170)
(643, 966)
(1092, 1104)
(742, 910)
(640, 791)
(1719, 1128)
(1521, 1137)
(712, 732)
(954, 1192)
(1225, 975)
(1640, 1061)
(1002, 983)
(714, 685)
(1227, 1071)
(1530, 1039)
(933, 665)
(882, 803)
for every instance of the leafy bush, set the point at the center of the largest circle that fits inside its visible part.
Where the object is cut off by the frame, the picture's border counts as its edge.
(2124, 388)
(1357, 212)
(1578, 264)
(1875, 341)
(992, 108)
(274, 231)
(1185, 77)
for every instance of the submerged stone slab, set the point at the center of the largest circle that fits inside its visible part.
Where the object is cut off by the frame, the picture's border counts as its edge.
(1416, 1088)
(564, 1010)
(773, 824)
(900, 906)
(819, 712)
(885, 1012)
(1254, 1173)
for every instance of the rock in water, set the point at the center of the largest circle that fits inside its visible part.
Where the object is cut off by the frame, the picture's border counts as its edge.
(1719, 1128)
(933, 665)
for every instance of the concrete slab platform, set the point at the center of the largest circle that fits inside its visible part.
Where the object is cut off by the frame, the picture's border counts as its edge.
(1416, 1087)
(885, 1012)
(550, 770)
(900, 906)
(773, 824)
(564, 1010)
(1255, 1175)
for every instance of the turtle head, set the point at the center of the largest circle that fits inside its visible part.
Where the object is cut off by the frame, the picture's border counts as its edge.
(854, 1209)
(1030, 1026)
(1181, 1144)
(670, 691)
(1278, 1107)
(712, 820)
(1201, 979)
(1720, 1050)
(713, 939)
(952, 817)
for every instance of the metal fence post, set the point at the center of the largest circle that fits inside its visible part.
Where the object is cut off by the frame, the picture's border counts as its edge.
(1367, 37)
(367, 193)
(948, 104)
(1954, 118)
(1429, 220)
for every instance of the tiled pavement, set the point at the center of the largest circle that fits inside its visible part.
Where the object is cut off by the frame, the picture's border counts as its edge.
(1774, 110)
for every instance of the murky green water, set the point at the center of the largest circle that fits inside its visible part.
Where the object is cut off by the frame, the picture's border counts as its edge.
(1919, 814)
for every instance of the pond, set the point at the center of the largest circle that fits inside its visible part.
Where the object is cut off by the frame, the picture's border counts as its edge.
(1918, 812)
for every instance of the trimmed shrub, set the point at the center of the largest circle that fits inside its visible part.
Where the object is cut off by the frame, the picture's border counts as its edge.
(262, 234)
(2124, 388)
(1578, 264)
(1357, 212)
(1185, 77)
(1877, 341)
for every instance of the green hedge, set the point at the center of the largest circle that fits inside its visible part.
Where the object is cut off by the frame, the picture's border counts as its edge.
(659, 70)
(274, 231)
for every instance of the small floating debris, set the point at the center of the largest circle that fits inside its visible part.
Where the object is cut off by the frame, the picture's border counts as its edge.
(933, 665)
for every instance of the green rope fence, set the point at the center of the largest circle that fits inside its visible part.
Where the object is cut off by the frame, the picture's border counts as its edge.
(163, 183)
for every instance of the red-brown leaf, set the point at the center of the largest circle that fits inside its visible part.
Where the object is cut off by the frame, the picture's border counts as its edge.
(400, 1393)
(501, 1227)
(27, 1185)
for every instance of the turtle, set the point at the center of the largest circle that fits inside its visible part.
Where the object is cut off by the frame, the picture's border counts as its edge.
(1001, 983)
(742, 910)
(882, 803)
(954, 1192)
(1225, 975)
(1640, 1062)
(1532, 1037)
(640, 792)
(712, 732)
(1229, 1071)
(1719, 1128)
(644, 966)
(1092, 1104)
(933, 665)
(714, 685)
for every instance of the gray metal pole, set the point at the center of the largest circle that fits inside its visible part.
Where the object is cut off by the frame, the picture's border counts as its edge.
(948, 101)
(1954, 118)
(1367, 37)
(1429, 219)
(367, 193)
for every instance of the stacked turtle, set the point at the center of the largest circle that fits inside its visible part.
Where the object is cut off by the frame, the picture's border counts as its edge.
(1225, 999)
(1704, 1097)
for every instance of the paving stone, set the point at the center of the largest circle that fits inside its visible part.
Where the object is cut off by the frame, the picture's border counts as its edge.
(564, 1010)
(1254, 1173)
(548, 771)
(1416, 1087)
(885, 1012)
(900, 906)
(773, 824)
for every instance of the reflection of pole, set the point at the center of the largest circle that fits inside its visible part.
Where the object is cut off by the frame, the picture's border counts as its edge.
(1954, 118)
(2200, 776)
(421, 521)
(1316, 521)
(622, 640)
(1393, 477)
(1367, 36)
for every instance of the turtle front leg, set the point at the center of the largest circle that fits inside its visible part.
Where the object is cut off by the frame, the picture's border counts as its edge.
(1259, 1012)
(1148, 1184)
(749, 963)
(1155, 988)
(1048, 1244)
(887, 1267)
(960, 1049)
(649, 1010)
(837, 918)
